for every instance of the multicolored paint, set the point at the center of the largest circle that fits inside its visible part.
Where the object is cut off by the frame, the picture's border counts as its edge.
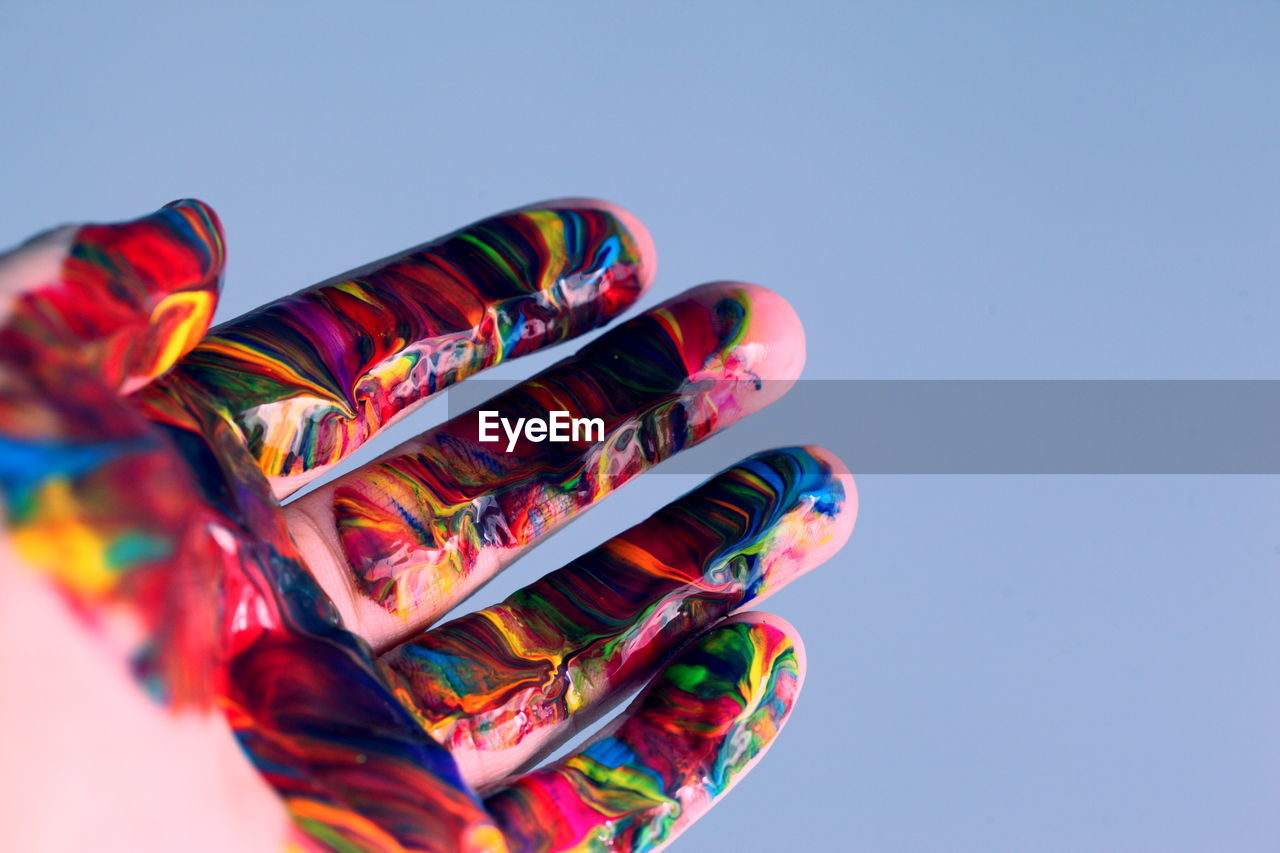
(93, 496)
(693, 733)
(309, 378)
(420, 523)
(157, 501)
(503, 679)
(123, 301)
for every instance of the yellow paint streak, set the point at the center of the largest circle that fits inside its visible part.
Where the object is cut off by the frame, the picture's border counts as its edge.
(551, 227)
(60, 543)
(194, 310)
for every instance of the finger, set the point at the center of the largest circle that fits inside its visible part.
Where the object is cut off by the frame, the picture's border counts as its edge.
(124, 301)
(685, 742)
(401, 541)
(311, 377)
(507, 684)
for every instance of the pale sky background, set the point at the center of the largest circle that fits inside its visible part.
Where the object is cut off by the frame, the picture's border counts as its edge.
(980, 190)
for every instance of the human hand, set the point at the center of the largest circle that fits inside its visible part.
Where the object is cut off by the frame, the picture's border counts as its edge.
(143, 464)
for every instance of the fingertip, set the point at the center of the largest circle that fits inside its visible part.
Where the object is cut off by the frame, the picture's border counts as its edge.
(130, 297)
(180, 251)
(847, 514)
(207, 228)
(773, 335)
(645, 247)
(760, 347)
(816, 493)
(642, 240)
(778, 632)
(776, 324)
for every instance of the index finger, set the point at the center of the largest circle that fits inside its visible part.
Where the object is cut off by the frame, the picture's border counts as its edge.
(311, 377)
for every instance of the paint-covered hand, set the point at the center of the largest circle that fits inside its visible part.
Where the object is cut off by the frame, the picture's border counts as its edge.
(145, 465)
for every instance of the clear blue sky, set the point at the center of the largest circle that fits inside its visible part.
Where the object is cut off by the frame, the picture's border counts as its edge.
(980, 190)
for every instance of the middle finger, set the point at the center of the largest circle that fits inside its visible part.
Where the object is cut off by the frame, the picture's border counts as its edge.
(400, 541)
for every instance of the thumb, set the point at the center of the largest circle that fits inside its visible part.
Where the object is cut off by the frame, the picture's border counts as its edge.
(124, 300)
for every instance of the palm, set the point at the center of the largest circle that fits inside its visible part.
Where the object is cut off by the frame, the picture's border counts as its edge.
(310, 623)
